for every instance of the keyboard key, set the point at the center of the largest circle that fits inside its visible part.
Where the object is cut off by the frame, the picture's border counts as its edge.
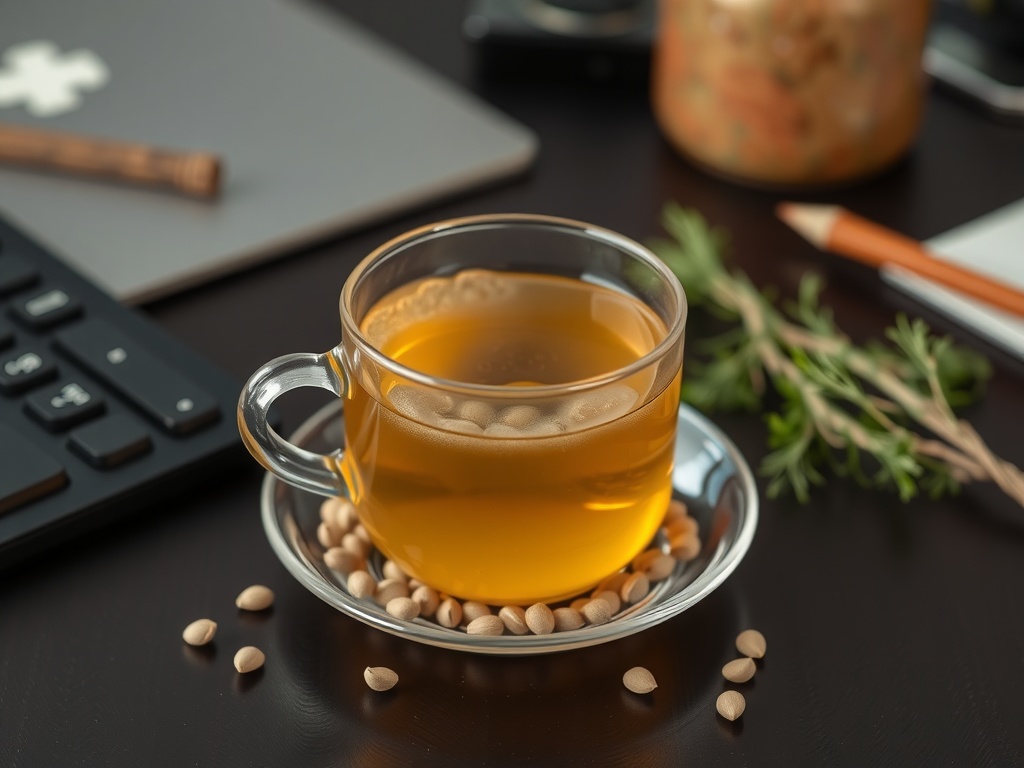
(28, 473)
(59, 408)
(164, 394)
(111, 441)
(23, 369)
(15, 274)
(46, 309)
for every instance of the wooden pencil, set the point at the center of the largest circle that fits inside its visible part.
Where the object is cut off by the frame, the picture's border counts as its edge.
(837, 230)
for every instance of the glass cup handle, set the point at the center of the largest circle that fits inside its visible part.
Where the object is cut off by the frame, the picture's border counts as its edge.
(304, 469)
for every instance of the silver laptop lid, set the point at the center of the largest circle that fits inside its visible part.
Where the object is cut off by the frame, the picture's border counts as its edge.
(322, 129)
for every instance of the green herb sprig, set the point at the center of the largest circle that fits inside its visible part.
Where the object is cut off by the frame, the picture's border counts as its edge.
(879, 413)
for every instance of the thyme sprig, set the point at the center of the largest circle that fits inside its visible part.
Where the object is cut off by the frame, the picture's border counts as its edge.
(882, 414)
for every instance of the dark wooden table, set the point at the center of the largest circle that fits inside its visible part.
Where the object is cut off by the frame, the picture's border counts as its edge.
(896, 631)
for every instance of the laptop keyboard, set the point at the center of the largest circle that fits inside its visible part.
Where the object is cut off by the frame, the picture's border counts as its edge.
(101, 410)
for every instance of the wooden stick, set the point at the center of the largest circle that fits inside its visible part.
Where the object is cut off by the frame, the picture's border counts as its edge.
(835, 229)
(192, 173)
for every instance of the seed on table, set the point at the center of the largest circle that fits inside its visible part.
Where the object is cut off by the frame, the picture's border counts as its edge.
(597, 612)
(255, 598)
(488, 624)
(389, 589)
(427, 599)
(249, 659)
(380, 678)
(540, 619)
(567, 619)
(635, 588)
(361, 585)
(404, 608)
(514, 619)
(472, 609)
(751, 643)
(639, 680)
(341, 560)
(328, 534)
(739, 670)
(731, 704)
(449, 613)
(199, 632)
(660, 567)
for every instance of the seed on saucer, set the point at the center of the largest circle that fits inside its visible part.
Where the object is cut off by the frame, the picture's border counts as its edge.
(739, 670)
(393, 570)
(676, 510)
(360, 530)
(380, 678)
(639, 680)
(488, 624)
(449, 613)
(612, 583)
(427, 599)
(355, 544)
(339, 511)
(645, 559)
(567, 619)
(660, 567)
(472, 609)
(199, 632)
(731, 704)
(361, 584)
(328, 534)
(255, 598)
(514, 619)
(389, 589)
(613, 600)
(751, 643)
(682, 526)
(635, 588)
(597, 612)
(249, 659)
(404, 608)
(579, 602)
(341, 560)
(540, 619)
(685, 547)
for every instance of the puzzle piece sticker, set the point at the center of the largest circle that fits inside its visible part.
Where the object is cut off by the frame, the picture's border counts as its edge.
(46, 82)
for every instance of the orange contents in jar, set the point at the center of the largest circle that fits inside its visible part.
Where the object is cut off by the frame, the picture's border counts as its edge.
(790, 92)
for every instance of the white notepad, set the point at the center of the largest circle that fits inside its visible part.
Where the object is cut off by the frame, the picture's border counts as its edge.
(992, 245)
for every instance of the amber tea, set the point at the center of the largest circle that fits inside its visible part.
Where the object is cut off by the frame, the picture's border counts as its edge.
(520, 491)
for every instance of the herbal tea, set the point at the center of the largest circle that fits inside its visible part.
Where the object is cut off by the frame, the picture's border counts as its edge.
(512, 498)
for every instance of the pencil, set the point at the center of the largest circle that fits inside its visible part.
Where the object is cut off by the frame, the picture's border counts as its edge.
(835, 229)
(192, 173)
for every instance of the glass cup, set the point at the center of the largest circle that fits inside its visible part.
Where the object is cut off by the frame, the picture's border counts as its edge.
(511, 388)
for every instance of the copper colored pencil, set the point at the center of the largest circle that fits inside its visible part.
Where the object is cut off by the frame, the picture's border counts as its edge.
(835, 229)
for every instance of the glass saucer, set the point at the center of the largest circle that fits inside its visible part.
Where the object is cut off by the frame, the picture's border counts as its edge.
(710, 475)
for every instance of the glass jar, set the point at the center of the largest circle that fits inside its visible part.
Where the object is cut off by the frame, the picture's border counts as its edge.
(790, 93)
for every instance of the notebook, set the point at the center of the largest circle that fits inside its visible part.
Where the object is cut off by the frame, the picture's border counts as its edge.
(322, 129)
(992, 245)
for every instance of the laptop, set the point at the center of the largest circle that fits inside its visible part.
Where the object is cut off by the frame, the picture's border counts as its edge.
(322, 129)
